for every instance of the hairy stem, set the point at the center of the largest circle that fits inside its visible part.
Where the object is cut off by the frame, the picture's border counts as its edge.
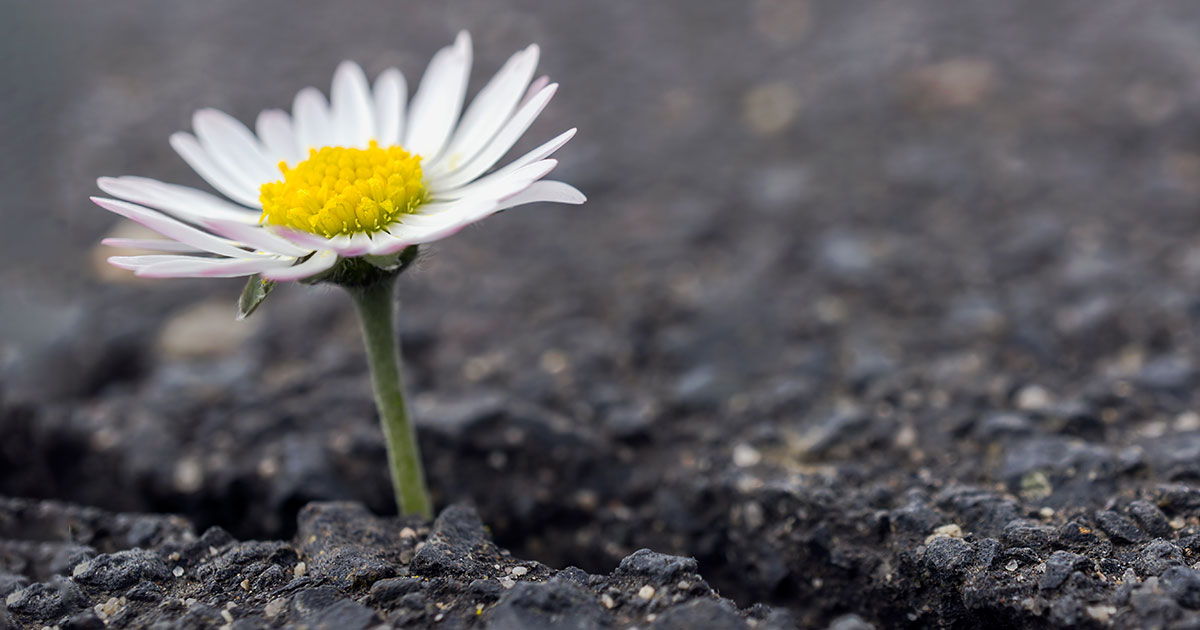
(375, 303)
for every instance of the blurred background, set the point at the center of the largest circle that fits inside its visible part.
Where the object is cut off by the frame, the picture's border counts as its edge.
(799, 127)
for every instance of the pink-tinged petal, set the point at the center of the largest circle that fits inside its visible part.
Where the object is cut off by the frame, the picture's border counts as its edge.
(504, 140)
(256, 237)
(181, 202)
(311, 119)
(489, 110)
(172, 228)
(319, 262)
(438, 101)
(188, 148)
(274, 128)
(231, 145)
(192, 267)
(391, 95)
(353, 113)
(151, 245)
(545, 190)
(500, 184)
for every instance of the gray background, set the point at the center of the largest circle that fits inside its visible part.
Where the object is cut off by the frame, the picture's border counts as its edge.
(801, 124)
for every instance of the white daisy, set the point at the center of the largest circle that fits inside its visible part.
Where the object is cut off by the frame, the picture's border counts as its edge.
(366, 173)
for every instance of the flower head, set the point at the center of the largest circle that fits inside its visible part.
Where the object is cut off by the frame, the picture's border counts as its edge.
(367, 173)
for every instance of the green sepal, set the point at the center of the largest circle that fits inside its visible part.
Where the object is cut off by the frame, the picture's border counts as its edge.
(396, 262)
(256, 290)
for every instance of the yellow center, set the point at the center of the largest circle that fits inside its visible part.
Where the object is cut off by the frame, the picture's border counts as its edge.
(345, 191)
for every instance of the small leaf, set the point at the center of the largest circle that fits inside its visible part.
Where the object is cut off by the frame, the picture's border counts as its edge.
(253, 294)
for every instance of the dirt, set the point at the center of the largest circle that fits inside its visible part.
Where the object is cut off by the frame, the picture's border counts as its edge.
(879, 315)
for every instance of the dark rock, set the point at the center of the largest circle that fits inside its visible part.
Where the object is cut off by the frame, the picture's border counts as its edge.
(1119, 527)
(121, 570)
(308, 602)
(658, 568)
(557, 606)
(485, 591)
(710, 614)
(10, 583)
(343, 615)
(456, 533)
(385, 593)
(47, 600)
(1183, 584)
(86, 620)
(145, 592)
(1059, 566)
(948, 556)
(1025, 533)
(1151, 519)
(1157, 556)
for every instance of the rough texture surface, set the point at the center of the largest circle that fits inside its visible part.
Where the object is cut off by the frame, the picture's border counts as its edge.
(344, 569)
(884, 312)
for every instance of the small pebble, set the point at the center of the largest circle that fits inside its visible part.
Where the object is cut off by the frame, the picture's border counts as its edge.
(519, 571)
(646, 592)
(507, 582)
(408, 532)
(177, 571)
(607, 600)
(745, 456)
(227, 616)
(275, 607)
(1011, 565)
(300, 569)
(245, 584)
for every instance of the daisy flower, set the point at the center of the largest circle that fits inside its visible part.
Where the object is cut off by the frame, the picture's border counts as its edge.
(367, 173)
(344, 191)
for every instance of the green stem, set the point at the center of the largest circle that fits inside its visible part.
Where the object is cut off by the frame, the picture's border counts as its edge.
(375, 303)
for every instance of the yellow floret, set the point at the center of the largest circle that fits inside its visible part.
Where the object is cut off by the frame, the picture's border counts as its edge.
(345, 191)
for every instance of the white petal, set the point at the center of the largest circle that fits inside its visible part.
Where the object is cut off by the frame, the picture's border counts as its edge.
(256, 237)
(151, 245)
(230, 144)
(137, 262)
(402, 236)
(438, 190)
(319, 262)
(493, 105)
(391, 94)
(311, 118)
(182, 202)
(194, 267)
(538, 85)
(340, 244)
(274, 128)
(360, 243)
(504, 140)
(188, 148)
(500, 184)
(439, 98)
(545, 190)
(353, 115)
(172, 228)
